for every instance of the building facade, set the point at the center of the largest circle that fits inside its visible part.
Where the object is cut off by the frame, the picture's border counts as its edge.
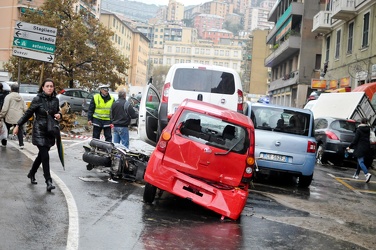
(175, 11)
(296, 51)
(346, 30)
(216, 35)
(204, 22)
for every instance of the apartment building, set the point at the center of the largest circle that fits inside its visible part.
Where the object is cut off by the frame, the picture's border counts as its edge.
(219, 8)
(204, 22)
(200, 52)
(216, 35)
(259, 73)
(345, 29)
(175, 11)
(296, 51)
(257, 18)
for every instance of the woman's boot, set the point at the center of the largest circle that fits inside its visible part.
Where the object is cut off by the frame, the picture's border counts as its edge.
(49, 185)
(32, 178)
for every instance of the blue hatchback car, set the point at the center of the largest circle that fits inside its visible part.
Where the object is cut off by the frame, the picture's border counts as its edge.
(285, 140)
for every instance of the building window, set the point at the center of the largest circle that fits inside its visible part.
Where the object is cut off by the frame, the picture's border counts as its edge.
(169, 49)
(183, 50)
(160, 61)
(208, 51)
(177, 49)
(350, 38)
(221, 52)
(235, 66)
(327, 49)
(168, 61)
(236, 53)
(176, 60)
(188, 50)
(338, 44)
(227, 53)
(365, 30)
(216, 52)
(197, 51)
(155, 60)
(202, 51)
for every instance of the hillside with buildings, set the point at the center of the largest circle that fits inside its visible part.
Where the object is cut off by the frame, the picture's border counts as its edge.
(131, 9)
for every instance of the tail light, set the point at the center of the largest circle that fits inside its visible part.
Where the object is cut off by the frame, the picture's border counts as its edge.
(165, 92)
(331, 135)
(163, 141)
(240, 101)
(250, 162)
(311, 147)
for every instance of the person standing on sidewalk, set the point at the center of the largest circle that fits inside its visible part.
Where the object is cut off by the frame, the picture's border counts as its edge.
(13, 109)
(121, 114)
(45, 103)
(361, 146)
(98, 113)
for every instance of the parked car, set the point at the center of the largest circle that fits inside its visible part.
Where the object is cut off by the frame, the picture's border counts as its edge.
(209, 83)
(333, 136)
(204, 154)
(28, 91)
(74, 97)
(285, 140)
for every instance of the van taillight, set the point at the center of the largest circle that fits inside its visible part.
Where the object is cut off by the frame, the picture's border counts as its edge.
(165, 92)
(311, 147)
(163, 141)
(240, 101)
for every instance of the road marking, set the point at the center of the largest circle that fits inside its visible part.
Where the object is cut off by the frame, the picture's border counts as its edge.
(355, 190)
(73, 228)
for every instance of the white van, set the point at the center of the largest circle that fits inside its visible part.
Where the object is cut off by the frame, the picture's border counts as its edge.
(213, 84)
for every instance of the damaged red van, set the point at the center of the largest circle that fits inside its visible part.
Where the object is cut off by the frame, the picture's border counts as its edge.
(204, 154)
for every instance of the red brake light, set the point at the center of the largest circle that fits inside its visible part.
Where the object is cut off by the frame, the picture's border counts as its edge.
(165, 92)
(331, 135)
(240, 101)
(311, 147)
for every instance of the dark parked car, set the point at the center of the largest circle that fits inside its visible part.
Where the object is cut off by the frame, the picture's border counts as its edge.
(333, 136)
(74, 97)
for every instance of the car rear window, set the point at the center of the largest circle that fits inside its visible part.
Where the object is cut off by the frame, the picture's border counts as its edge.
(203, 80)
(281, 120)
(30, 89)
(213, 131)
(341, 125)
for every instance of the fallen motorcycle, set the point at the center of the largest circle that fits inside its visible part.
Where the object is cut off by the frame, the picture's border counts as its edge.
(116, 160)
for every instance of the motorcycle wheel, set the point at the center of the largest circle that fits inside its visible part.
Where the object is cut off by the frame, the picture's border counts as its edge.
(149, 193)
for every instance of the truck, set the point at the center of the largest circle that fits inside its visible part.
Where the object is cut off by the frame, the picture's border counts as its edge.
(348, 105)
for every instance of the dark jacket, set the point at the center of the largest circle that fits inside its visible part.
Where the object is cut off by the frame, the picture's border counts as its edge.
(361, 144)
(121, 117)
(40, 137)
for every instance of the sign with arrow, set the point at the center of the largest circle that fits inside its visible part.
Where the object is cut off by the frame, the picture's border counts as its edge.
(33, 55)
(32, 39)
(34, 36)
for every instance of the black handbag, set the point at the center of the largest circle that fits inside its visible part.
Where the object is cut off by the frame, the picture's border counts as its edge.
(53, 127)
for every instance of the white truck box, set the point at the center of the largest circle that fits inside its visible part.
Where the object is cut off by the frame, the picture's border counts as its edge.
(349, 105)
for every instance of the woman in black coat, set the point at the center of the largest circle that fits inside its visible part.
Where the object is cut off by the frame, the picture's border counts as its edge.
(44, 101)
(362, 148)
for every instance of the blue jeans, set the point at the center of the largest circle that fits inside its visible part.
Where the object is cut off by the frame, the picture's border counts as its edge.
(361, 165)
(121, 135)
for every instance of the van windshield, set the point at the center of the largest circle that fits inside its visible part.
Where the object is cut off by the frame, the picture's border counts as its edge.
(281, 120)
(203, 80)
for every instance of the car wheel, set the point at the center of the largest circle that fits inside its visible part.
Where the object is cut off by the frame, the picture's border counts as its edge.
(305, 181)
(149, 193)
(320, 157)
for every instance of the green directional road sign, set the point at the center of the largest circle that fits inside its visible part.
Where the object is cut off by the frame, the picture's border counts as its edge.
(33, 45)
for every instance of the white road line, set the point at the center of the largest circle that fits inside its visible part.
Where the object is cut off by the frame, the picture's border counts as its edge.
(73, 229)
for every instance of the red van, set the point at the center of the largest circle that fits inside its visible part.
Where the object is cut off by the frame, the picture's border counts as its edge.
(204, 154)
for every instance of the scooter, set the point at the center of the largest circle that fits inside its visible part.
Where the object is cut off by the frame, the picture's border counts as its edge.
(116, 160)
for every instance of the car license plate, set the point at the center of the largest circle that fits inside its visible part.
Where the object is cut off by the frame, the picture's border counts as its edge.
(274, 157)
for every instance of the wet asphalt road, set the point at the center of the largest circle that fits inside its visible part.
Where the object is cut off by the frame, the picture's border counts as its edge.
(101, 215)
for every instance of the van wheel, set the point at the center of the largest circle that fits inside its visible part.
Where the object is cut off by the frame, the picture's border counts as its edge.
(320, 157)
(305, 181)
(149, 193)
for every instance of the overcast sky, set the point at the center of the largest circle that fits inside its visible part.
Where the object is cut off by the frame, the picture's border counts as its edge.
(165, 2)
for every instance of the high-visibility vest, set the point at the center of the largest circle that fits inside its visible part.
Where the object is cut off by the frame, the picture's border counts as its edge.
(102, 109)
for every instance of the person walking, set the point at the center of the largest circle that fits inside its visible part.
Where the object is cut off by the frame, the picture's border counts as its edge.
(122, 112)
(361, 146)
(13, 109)
(2, 95)
(99, 113)
(45, 103)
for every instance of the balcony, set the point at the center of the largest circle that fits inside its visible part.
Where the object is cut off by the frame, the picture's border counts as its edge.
(322, 22)
(343, 9)
(284, 51)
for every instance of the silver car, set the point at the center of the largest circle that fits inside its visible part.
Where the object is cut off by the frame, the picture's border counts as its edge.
(285, 140)
(74, 97)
